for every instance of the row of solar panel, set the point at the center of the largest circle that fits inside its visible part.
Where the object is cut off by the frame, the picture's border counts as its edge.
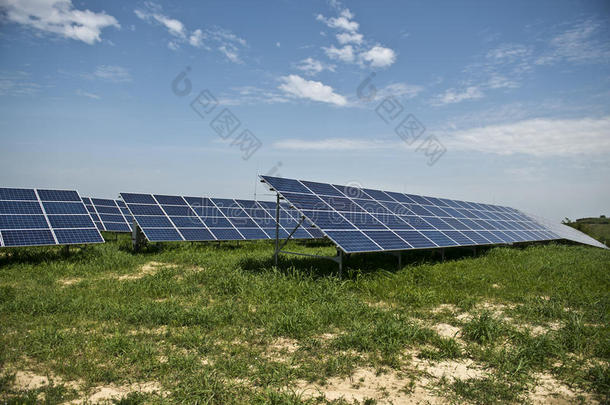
(357, 240)
(360, 220)
(175, 218)
(109, 215)
(44, 217)
(323, 189)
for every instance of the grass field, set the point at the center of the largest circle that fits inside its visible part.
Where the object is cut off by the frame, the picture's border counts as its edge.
(598, 228)
(207, 324)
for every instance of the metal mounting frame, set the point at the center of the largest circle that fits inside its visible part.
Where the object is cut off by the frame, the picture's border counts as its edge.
(137, 237)
(278, 248)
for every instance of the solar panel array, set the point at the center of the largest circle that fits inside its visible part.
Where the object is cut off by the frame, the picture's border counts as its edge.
(367, 220)
(183, 218)
(109, 215)
(31, 217)
(567, 232)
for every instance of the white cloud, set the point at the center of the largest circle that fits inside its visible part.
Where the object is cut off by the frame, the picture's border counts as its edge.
(379, 56)
(313, 66)
(347, 37)
(173, 26)
(336, 144)
(58, 17)
(403, 90)
(577, 45)
(298, 87)
(230, 53)
(498, 81)
(343, 22)
(508, 53)
(116, 74)
(455, 96)
(226, 42)
(251, 95)
(17, 83)
(93, 96)
(542, 137)
(345, 54)
(196, 38)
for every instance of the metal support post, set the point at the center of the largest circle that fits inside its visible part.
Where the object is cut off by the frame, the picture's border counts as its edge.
(136, 237)
(277, 229)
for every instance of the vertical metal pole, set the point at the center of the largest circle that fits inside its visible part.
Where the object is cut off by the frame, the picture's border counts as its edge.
(134, 236)
(340, 263)
(277, 229)
(399, 260)
(443, 254)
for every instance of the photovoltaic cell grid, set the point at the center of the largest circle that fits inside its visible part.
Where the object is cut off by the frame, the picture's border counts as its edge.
(165, 218)
(109, 215)
(367, 220)
(567, 232)
(31, 217)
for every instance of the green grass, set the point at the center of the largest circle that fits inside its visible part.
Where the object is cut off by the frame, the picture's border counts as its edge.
(205, 325)
(597, 228)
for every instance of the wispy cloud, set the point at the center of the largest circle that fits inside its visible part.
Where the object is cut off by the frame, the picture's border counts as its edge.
(400, 90)
(542, 137)
(298, 87)
(58, 17)
(336, 144)
(17, 83)
(312, 67)
(577, 44)
(250, 95)
(82, 93)
(224, 41)
(452, 96)
(153, 13)
(507, 65)
(111, 73)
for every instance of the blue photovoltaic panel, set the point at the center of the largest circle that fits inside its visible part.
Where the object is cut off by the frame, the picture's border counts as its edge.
(185, 218)
(36, 217)
(405, 221)
(108, 215)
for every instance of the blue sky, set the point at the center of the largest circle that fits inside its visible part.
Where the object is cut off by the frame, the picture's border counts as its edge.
(504, 102)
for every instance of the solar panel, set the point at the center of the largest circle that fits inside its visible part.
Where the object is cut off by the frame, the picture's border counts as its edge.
(37, 217)
(108, 215)
(165, 218)
(367, 220)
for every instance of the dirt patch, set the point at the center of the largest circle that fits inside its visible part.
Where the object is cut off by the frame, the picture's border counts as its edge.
(106, 393)
(148, 269)
(445, 308)
(27, 380)
(453, 370)
(280, 348)
(550, 391)
(69, 281)
(387, 388)
(445, 330)
(538, 330)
